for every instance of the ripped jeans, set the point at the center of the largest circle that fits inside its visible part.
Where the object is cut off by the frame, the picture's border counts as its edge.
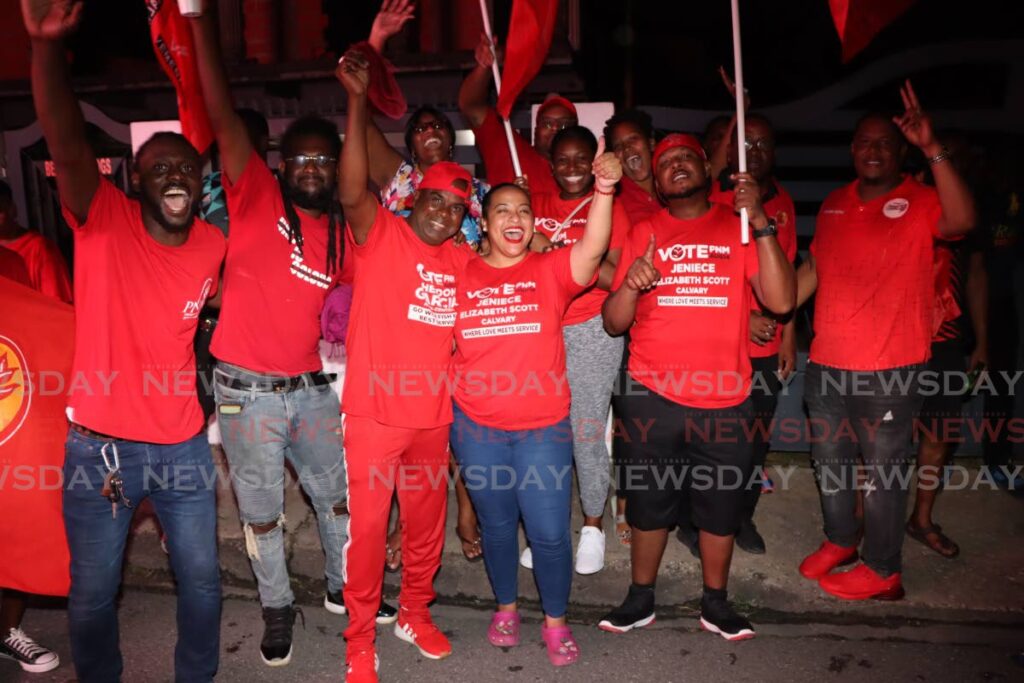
(260, 429)
(861, 433)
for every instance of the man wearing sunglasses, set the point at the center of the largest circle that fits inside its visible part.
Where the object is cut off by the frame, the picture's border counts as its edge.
(273, 399)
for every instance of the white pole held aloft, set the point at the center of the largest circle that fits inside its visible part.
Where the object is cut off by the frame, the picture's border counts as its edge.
(741, 120)
(497, 85)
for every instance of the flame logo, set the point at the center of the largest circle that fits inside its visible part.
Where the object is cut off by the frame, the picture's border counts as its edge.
(15, 396)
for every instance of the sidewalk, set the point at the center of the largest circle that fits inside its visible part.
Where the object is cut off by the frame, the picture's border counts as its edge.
(986, 583)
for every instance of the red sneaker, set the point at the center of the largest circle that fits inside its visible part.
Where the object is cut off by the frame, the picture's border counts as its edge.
(362, 666)
(431, 643)
(825, 559)
(862, 583)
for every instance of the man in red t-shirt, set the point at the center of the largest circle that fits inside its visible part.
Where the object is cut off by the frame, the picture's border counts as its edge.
(871, 270)
(397, 402)
(630, 134)
(47, 271)
(274, 402)
(557, 113)
(681, 290)
(145, 268)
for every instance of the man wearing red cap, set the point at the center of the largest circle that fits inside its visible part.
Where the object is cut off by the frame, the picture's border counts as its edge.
(685, 275)
(555, 114)
(397, 405)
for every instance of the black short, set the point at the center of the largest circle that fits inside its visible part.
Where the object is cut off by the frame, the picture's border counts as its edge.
(672, 455)
(948, 361)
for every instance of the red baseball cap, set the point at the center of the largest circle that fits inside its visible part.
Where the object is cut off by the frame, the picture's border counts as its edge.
(442, 176)
(674, 140)
(554, 99)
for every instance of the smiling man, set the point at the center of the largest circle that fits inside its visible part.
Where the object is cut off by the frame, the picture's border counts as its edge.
(144, 269)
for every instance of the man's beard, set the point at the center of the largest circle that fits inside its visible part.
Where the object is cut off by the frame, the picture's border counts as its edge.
(158, 215)
(688, 193)
(314, 202)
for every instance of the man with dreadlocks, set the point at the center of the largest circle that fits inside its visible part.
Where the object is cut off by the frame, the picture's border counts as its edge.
(273, 399)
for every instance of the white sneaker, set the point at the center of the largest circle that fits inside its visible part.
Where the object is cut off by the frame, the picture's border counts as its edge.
(590, 552)
(526, 559)
(32, 656)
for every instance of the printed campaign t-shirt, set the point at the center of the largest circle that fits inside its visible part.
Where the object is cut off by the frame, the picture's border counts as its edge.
(874, 305)
(689, 340)
(638, 204)
(509, 367)
(273, 289)
(549, 214)
(492, 143)
(137, 304)
(778, 205)
(400, 326)
(47, 271)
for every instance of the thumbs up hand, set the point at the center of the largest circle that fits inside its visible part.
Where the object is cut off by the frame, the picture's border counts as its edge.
(642, 275)
(607, 169)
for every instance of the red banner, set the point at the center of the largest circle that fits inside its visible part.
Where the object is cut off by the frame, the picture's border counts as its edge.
(36, 344)
(172, 43)
(529, 38)
(859, 21)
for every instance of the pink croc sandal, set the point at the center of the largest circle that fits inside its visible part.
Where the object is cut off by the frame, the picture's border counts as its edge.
(504, 629)
(562, 648)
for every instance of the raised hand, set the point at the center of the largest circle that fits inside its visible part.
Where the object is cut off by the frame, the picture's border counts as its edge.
(523, 183)
(642, 275)
(353, 71)
(393, 15)
(51, 19)
(915, 124)
(485, 51)
(607, 169)
(748, 196)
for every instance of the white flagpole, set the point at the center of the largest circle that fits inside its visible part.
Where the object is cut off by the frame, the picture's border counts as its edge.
(497, 84)
(741, 121)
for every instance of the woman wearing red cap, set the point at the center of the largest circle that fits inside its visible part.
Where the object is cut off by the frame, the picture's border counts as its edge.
(511, 399)
(681, 290)
(593, 357)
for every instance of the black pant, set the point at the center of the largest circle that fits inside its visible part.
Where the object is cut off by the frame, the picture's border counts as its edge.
(205, 360)
(764, 398)
(853, 414)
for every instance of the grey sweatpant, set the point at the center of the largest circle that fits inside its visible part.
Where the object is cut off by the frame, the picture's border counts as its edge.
(592, 361)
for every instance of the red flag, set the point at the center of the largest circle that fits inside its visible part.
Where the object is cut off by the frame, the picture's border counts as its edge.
(859, 21)
(37, 335)
(526, 48)
(384, 92)
(172, 43)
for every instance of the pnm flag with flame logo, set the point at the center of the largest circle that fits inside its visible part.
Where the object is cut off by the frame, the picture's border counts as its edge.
(37, 335)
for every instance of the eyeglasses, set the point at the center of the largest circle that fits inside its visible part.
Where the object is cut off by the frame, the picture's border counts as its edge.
(321, 160)
(555, 124)
(763, 144)
(429, 125)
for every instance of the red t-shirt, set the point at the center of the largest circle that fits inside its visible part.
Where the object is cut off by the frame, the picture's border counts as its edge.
(270, 315)
(493, 145)
(874, 306)
(400, 326)
(689, 340)
(637, 203)
(509, 368)
(13, 267)
(778, 206)
(549, 212)
(47, 272)
(137, 304)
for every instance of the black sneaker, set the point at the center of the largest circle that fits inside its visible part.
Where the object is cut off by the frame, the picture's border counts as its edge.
(636, 611)
(335, 604)
(689, 536)
(32, 656)
(276, 646)
(748, 538)
(718, 616)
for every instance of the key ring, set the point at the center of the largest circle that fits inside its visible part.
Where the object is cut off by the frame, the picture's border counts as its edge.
(106, 461)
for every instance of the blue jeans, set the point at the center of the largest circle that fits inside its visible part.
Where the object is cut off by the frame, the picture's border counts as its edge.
(181, 479)
(525, 473)
(260, 429)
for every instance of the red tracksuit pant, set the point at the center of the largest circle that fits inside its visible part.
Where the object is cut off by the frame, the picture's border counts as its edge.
(380, 460)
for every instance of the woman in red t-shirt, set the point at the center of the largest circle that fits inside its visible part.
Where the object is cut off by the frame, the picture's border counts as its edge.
(593, 357)
(511, 436)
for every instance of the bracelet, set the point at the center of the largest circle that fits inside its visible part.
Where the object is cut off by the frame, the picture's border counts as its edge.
(599, 191)
(939, 158)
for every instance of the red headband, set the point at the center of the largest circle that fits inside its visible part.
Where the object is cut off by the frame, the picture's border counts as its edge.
(442, 176)
(677, 140)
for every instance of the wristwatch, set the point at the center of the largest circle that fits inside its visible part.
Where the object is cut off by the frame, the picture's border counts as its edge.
(767, 231)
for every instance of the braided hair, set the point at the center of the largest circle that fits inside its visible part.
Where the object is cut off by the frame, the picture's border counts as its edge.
(314, 126)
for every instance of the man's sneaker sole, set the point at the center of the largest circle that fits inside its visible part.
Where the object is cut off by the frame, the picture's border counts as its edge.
(844, 563)
(742, 634)
(606, 625)
(333, 607)
(402, 635)
(34, 668)
(278, 662)
(385, 620)
(889, 594)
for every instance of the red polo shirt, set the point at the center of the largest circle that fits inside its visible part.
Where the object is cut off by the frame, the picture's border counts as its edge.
(634, 199)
